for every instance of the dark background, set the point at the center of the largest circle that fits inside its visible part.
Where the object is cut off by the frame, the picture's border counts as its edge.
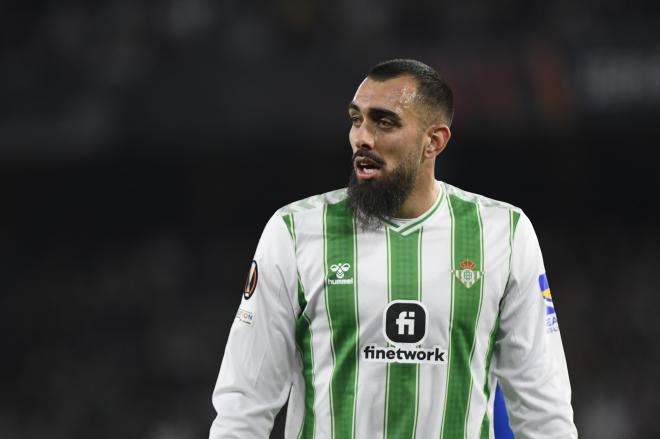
(144, 145)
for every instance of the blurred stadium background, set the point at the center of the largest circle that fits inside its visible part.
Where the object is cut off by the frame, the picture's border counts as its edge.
(144, 145)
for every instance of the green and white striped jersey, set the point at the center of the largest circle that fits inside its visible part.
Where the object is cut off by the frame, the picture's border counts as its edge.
(401, 332)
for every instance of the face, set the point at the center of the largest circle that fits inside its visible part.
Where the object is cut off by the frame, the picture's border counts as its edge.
(386, 130)
(387, 139)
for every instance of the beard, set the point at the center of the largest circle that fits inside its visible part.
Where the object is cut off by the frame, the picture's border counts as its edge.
(376, 199)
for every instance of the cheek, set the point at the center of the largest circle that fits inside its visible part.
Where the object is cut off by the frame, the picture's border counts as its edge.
(393, 145)
(402, 150)
(351, 139)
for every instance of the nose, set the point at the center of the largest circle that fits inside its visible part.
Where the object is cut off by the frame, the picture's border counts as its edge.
(361, 137)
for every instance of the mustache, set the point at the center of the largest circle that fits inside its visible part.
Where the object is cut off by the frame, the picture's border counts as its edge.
(368, 154)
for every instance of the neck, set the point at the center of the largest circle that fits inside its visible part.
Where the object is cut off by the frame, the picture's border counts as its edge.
(422, 197)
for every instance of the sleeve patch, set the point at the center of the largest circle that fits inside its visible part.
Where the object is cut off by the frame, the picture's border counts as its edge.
(245, 316)
(251, 281)
(550, 315)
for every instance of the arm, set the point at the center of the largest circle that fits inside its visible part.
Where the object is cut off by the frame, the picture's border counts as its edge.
(529, 358)
(256, 371)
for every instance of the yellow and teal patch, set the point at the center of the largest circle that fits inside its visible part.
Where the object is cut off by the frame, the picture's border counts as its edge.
(550, 315)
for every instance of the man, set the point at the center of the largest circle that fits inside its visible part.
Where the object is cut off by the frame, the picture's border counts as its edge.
(392, 309)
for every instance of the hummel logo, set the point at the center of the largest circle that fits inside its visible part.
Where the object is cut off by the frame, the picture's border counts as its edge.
(340, 269)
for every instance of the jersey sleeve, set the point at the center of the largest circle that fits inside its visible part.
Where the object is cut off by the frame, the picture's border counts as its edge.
(256, 371)
(529, 358)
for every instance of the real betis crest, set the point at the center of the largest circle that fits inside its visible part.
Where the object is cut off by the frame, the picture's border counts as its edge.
(468, 275)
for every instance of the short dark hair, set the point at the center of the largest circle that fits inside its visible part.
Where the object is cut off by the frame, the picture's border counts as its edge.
(432, 89)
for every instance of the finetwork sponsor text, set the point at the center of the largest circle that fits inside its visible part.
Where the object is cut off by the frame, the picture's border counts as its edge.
(401, 354)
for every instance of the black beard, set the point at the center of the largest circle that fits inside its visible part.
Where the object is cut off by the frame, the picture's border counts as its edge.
(377, 199)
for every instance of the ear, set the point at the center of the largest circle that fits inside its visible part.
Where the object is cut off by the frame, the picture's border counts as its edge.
(438, 136)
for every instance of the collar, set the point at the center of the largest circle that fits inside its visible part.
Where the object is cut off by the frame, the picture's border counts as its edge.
(407, 226)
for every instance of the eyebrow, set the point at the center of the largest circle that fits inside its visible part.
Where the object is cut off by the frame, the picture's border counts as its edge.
(377, 113)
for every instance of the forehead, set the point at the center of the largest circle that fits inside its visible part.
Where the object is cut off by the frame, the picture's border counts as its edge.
(396, 94)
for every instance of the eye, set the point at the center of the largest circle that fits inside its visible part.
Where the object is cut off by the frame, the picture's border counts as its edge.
(355, 120)
(385, 123)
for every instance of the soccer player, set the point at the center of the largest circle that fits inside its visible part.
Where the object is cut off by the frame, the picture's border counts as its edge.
(392, 308)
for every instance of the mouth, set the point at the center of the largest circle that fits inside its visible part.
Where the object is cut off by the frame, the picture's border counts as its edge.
(367, 168)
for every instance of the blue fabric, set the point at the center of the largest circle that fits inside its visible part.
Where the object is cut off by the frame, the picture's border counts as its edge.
(543, 282)
(501, 423)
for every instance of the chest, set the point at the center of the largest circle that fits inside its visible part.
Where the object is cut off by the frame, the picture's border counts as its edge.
(362, 279)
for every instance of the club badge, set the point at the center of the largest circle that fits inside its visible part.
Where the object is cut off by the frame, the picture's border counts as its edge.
(468, 274)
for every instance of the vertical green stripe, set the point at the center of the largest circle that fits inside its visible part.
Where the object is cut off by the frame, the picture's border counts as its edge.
(513, 223)
(341, 304)
(305, 346)
(513, 220)
(357, 323)
(466, 305)
(485, 424)
(290, 224)
(419, 289)
(304, 339)
(482, 267)
(404, 271)
(288, 220)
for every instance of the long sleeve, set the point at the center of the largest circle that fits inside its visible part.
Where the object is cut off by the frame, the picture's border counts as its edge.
(529, 359)
(260, 355)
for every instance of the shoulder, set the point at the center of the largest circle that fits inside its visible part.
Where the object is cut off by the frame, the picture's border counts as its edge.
(457, 194)
(306, 215)
(312, 204)
(489, 210)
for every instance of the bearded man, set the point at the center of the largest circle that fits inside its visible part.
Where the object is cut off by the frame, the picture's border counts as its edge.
(392, 308)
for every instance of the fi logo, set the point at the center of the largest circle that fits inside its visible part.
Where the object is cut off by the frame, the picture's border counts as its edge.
(405, 322)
